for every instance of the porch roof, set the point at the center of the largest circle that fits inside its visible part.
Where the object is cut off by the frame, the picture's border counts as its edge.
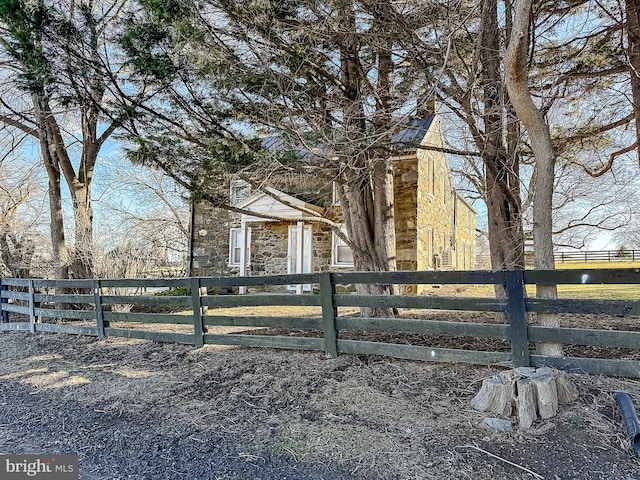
(267, 203)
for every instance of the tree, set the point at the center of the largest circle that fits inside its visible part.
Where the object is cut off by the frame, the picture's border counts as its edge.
(500, 157)
(55, 63)
(144, 218)
(19, 216)
(581, 213)
(576, 74)
(334, 79)
(632, 27)
(516, 70)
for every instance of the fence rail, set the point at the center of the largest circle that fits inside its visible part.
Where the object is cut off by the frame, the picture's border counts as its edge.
(92, 307)
(598, 256)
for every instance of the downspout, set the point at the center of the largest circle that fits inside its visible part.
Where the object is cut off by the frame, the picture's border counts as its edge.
(629, 419)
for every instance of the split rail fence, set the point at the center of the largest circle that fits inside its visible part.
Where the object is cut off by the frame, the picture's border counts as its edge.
(40, 306)
(597, 256)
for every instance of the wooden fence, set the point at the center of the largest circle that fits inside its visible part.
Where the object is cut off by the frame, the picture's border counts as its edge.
(35, 300)
(597, 256)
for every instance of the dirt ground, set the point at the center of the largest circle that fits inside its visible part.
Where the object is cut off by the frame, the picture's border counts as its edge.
(141, 410)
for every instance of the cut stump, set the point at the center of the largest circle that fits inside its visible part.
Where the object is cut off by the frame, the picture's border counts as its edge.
(527, 392)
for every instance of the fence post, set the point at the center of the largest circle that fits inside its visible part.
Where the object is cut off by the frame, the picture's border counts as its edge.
(329, 314)
(97, 300)
(32, 308)
(4, 313)
(518, 334)
(198, 317)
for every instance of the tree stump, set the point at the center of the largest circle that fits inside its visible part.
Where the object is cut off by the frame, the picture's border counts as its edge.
(528, 392)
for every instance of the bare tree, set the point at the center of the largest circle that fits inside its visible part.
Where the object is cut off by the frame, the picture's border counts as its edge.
(144, 215)
(334, 80)
(20, 215)
(516, 71)
(54, 67)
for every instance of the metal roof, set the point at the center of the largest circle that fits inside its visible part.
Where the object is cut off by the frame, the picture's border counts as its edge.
(410, 137)
(405, 138)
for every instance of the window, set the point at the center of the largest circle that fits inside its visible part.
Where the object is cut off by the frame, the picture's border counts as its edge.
(335, 197)
(432, 176)
(430, 263)
(239, 191)
(235, 245)
(341, 254)
(444, 187)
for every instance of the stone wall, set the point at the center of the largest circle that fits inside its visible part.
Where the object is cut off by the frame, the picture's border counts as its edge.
(268, 248)
(446, 223)
(431, 219)
(465, 235)
(406, 203)
(435, 206)
(210, 241)
(270, 245)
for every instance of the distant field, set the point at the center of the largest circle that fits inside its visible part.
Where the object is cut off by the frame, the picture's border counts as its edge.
(610, 292)
(607, 292)
(591, 265)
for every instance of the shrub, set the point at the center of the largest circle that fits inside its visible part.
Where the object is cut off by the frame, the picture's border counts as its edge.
(174, 292)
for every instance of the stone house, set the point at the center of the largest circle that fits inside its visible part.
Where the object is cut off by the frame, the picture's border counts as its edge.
(435, 225)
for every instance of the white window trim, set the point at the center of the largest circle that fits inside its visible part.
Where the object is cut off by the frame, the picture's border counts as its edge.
(430, 250)
(307, 247)
(232, 247)
(431, 177)
(334, 249)
(335, 198)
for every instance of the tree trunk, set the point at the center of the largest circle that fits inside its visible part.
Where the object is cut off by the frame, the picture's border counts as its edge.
(82, 261)
(60, 251)
(366, 191)
(516, 79)
(371, 247)
(502, 182)
(57, 162)
(50, 159)
(633, 53)
(530, 393)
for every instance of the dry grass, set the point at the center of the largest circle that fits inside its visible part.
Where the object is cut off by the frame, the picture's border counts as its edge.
(372, 417)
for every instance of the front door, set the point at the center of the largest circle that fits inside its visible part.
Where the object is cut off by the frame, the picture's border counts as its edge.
(294, 256)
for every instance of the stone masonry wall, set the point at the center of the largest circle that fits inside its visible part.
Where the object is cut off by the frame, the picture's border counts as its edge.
(406, 204)
(435, 202)
(440, 231)
(210, 241)
(424, 214)
(270, 244)
(465, 235)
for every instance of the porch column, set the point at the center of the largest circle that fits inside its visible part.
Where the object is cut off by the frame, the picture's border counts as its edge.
(300, 255)
(243, 254)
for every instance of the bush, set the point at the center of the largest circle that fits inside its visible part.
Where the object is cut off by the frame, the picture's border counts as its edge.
(174, 292)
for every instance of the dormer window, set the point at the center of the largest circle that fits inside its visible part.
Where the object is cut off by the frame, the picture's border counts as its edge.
(239, 190)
